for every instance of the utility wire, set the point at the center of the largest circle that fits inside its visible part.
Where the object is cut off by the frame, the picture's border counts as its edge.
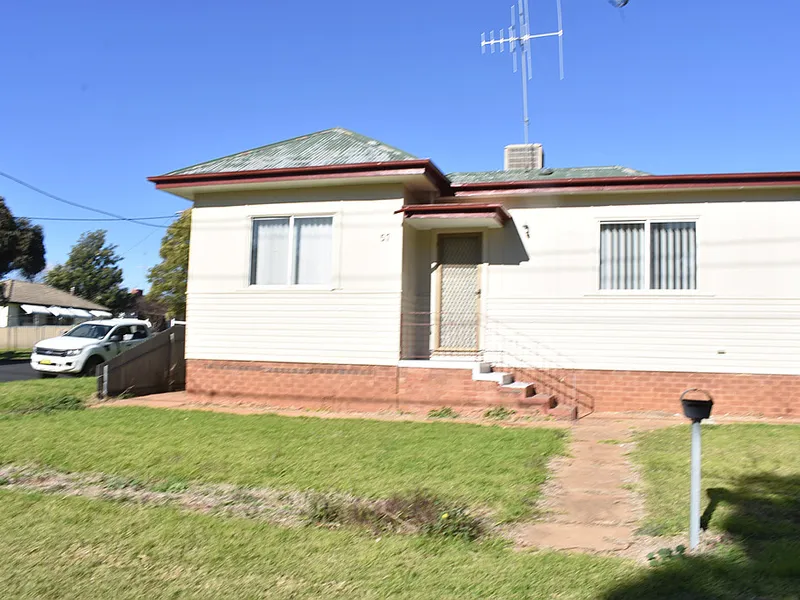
(96, 220)
(76, 204)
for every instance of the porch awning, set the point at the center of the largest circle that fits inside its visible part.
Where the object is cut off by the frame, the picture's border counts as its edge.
(79, 312)
(34, 309)
(100, 313)
(59, 311)
(454, 216)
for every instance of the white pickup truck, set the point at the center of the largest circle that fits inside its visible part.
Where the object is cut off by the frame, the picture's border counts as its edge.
(81, 349)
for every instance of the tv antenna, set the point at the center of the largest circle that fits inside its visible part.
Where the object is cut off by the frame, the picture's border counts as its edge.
(522, 38)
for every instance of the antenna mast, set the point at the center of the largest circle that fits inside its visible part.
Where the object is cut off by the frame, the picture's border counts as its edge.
(522, 38)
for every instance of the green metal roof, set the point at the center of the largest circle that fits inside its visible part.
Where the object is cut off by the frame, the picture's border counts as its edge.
(542, 174)
(335, 146)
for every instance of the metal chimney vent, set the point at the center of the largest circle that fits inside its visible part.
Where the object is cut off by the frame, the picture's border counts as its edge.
(523, 156)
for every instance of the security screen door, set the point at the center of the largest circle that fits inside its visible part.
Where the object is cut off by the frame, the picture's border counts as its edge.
(459, 292)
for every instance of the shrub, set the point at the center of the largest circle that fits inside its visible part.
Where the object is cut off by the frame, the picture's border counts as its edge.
(442, 413)
(500, 413)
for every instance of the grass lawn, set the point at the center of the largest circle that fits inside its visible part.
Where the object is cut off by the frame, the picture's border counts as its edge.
(61, 547)
(44, 394)
(70, 547)
(736, 458)
(501, 468)
(751, 481)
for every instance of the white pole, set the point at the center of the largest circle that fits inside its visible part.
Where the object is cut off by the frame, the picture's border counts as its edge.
(694, 503)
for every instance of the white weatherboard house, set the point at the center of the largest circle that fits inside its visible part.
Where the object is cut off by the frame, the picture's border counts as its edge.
(334, 270)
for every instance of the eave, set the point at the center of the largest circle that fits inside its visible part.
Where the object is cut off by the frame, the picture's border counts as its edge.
(188, 185)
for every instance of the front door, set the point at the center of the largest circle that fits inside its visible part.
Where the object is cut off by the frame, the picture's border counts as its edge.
(459, 292)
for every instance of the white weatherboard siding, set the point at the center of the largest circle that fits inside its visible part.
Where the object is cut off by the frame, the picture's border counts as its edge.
(355, 320)
(542, 298)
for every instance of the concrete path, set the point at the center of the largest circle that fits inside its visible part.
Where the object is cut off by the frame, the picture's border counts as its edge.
(590, 504)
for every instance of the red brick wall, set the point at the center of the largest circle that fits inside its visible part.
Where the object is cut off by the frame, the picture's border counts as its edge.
(737, 394)
(369, 388)
(340, 387)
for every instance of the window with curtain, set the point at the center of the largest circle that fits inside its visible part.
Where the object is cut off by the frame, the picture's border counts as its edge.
(673, 263)
(666, 258)
(621, 256)
(292, 251)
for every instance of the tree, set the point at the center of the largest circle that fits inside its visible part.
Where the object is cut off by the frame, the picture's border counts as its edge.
(91, 272)
(168, 278)
(21, 245)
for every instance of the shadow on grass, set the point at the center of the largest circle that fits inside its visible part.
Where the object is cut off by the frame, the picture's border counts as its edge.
(760, 519)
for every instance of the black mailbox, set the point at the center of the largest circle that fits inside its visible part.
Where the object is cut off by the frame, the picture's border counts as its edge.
(696, 409)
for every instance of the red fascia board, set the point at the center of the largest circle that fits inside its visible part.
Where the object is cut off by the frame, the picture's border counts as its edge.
(777, 179)
(452, 210)
(403, 167)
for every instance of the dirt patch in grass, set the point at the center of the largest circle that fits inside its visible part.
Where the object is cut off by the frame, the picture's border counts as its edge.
(417, 512)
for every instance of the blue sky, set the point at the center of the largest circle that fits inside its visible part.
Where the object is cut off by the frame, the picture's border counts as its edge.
(96, 96)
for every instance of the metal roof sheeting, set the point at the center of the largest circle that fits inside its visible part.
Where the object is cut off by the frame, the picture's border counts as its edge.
(542, 174)
(335, 146)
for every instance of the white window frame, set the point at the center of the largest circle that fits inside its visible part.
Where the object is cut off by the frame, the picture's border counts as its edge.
(647, 289)
(292, 258)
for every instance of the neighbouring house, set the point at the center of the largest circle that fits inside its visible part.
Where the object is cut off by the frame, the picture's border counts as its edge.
(26, 304)
(334, 270)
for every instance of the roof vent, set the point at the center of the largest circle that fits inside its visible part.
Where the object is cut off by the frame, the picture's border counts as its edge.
(523, 156)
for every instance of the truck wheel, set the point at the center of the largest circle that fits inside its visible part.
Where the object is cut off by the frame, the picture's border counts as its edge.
(43, 375)
(90, 366)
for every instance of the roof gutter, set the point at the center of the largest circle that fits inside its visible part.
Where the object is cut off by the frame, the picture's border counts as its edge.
(401, 167)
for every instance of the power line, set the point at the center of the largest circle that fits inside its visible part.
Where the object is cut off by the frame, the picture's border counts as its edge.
(96, 220)
(76, 204)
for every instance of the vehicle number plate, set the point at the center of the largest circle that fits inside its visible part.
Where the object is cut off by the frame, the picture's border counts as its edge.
(45, 362)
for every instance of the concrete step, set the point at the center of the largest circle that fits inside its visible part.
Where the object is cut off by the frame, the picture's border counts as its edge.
(524, 389)
(562, 412)
(499, 378)
(544, 402)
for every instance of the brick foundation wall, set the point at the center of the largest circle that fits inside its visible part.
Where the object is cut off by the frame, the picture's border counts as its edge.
(340, 387)
(735, 394)
(371, 388)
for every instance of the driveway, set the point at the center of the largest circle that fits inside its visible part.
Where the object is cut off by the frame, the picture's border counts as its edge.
(17, 370)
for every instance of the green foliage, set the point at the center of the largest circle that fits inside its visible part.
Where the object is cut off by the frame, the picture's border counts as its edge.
(168, 278)
(442, 413)
(21, 245)
(665, 555)
(93, 270)
(499, 413)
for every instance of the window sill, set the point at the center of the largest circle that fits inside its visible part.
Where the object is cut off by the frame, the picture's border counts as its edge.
(289, 288)
(648, 293)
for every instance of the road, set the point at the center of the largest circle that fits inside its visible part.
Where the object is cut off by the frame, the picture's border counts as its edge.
(17, 370)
